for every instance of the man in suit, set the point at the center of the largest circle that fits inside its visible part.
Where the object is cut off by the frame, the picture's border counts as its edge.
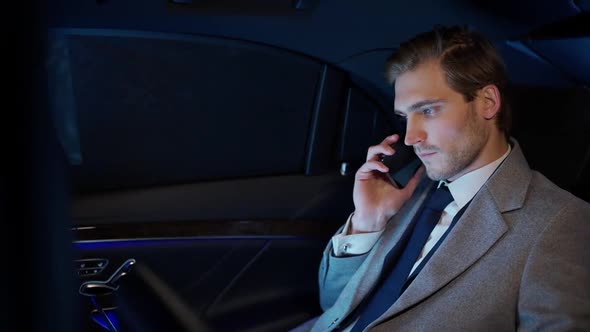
(508, 249)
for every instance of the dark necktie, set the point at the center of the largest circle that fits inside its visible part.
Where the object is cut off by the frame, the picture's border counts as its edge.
(398, 266)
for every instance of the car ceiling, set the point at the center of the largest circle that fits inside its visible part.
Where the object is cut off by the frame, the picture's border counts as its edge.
(543, 42)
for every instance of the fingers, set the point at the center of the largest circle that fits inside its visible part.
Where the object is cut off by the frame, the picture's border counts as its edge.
(365, 171)
(384, 148)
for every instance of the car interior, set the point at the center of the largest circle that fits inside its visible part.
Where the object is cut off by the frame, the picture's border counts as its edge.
(192, 159)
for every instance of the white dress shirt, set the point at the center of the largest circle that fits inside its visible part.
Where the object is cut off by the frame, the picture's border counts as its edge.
(463, 190)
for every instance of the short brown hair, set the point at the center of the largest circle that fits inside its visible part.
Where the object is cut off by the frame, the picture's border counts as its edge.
(468, 59)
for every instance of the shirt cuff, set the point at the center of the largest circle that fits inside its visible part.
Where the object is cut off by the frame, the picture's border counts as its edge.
(345, 244)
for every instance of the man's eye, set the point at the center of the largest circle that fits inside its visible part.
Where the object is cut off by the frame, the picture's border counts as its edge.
(428, 111)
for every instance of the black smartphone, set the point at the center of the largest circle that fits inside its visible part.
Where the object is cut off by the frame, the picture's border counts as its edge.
(402, 164)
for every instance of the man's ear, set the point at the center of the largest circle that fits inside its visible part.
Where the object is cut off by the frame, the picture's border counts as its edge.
(490, 101)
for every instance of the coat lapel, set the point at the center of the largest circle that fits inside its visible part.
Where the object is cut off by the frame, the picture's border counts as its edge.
(366, 277)
(461, 249)
(480, 227)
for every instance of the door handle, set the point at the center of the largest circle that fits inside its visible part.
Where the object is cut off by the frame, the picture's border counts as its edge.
(98, 287)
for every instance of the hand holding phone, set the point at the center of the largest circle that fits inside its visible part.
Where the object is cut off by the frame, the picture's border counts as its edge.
(380, 192)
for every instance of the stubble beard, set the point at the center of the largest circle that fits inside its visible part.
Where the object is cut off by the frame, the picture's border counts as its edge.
(463, 153)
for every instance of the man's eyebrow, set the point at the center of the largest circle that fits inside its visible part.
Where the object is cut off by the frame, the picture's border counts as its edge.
(420, 105)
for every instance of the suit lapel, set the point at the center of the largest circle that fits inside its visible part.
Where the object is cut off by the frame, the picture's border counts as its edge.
(461, 249)
(368, 273)
(480, 227)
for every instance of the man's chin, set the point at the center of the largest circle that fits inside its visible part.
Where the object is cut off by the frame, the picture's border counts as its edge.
(432, 175)
(435, 175)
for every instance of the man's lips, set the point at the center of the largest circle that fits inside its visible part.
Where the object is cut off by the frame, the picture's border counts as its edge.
(426, 154)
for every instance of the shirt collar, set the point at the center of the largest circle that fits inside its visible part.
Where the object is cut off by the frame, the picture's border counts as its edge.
(464, 188)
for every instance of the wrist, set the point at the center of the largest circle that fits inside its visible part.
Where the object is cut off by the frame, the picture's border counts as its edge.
(360, 223)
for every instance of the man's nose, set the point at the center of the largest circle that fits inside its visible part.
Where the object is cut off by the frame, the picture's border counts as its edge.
(414, 132)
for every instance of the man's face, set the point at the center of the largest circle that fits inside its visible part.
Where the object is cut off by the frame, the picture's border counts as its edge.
(448, 134)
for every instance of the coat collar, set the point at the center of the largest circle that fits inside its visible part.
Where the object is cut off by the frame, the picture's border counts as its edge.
(509, 184)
